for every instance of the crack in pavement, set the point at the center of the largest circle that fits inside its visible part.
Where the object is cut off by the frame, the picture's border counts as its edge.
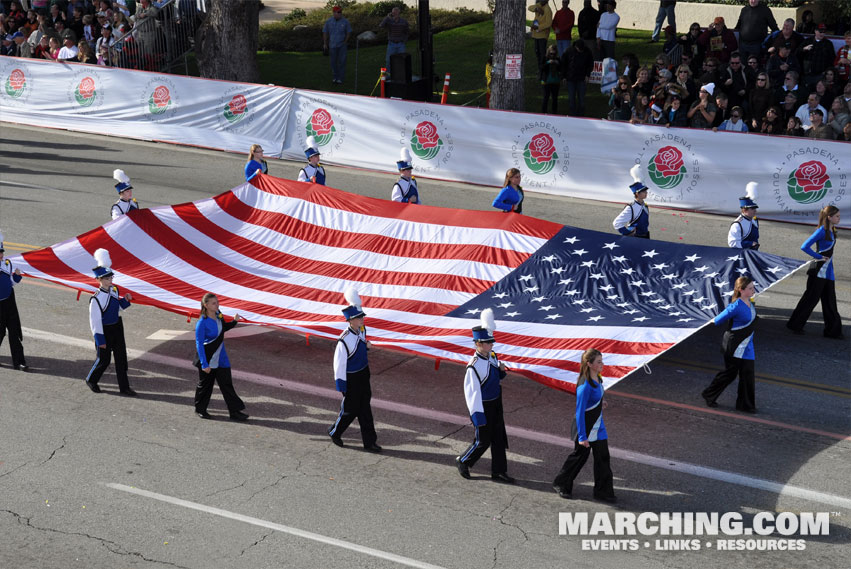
(396, 364)
(531, 403)
(258, 542)
(223, 490)
(161, 445)
(111, 546)
(264, 488)
(52, 454)
(447, 435)
(14, 470)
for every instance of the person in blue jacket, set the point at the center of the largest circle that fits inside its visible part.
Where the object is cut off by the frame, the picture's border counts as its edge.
(256, 164)
(9, 318)
(212, 360)
(737, 346)
(821, 282)
(588, 432)
(510, 197)
(634, 220)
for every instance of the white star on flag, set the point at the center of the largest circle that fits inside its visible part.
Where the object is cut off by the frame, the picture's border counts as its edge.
(549, 258)
(571, 240)
(530, 289)
(595, 318)
(606, 288)
(596, 276)
(741, 270)
(701, 269)
(647, 293)
(773, 270)
(589, 309)
(565, 281)
(500, 295)
(557, 270)
(525, 278)
(692, 258)
(722, 284)
(627, 271)
(579, 252)
(685, 319)
(579, 301)
(588, 264)
(679, 285)
(669, 276)
(733, 258)
(698, 300)
(612, 297)
(678, 313)
(546, 308)
(474, 310)
(511, 314)
(552, 316)
(710, 275)
(640, 319)
(637, 283)
(660, 266)
(633, 311)
(619, 259)
(539, 299)
(571, 292)
(611, 245)
(505, 304)
(709, 306)
(657, 300)
(652, 253)
(623, 304)
(689, 292)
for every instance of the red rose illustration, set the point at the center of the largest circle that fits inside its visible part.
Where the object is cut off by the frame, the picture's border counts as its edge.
(668, 161)
(321, 122)
(161, 96)
(542, 148)
(237, 104)
(427, 134)
(17, 80)
(87, 87)
(811, 176)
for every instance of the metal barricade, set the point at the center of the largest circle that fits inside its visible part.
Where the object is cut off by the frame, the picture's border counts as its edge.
(161, 37)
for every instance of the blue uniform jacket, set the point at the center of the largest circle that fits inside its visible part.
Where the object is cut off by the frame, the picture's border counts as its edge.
(508, 197)
(824, 242)
(588, 397)
(206, 331)
(742, 314)
(8, 278)
(251, 168)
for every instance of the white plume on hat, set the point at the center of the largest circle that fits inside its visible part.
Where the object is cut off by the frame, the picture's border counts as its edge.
(636, 173)
(751, 190)
(405, 155)
(121, 177)
(102, 258)
(352, 297)
(311, 143)
(487, 320)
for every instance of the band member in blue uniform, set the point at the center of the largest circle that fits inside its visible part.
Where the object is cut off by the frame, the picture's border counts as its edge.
(510, 197)
(351, 376)
(313, 170)
(212, 360)
(588, 432)
(821, 282)
(483, 393)
(9, 319)
(744, 232)
(737, 345)
(256, 164)
(105, 307)
(634, 220)
(126, 201)
(405, 189)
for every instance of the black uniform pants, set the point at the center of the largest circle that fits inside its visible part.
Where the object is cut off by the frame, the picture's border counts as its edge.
(222, 376)
(114, 334)
(746, 399)
(356, 405)
(823, 290)
(9, 320)
(491, 435)
(603, 479)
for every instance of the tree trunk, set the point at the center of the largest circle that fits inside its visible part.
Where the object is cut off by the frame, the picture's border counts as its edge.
(509, 37)
(227, 41)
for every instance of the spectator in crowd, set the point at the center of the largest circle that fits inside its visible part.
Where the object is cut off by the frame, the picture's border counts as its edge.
(839, 116)
(789, 106)
(702, 112)
(85, 53)
(577, 64)
(586, 23)
(817, 54)
(826, 95)
(736, 81)
(842, 63)
(22, 46)
(780, 63)
(711, 71)
(807, 25)
(759, 100)
(8, 48)
(786, 35)
(662, 62)
(56, 15)
(55, 47)
(790, 87)
(752, 69)
(15, 18)
(541, 25)
(656, 115)
(671, 39)
(550, 78)
(69, 47)
(692, 47)
(772, 122)
(42, 50)
(641, 109)
(828, 81)
(793, 127)
(120, 24)
(563, 27)
(818, 129)
(846, 93)
(804, 110)
(36, 34)
(89, 30)
(735, 123)
(75, 23)
(607, 30)
(631, 65)
(664, 88)
(675, 113)
(846, 133)
(755, 23)
(335, 35)
(620, 102)
(104, 43)
(397, 33)
(717, 41)
(684, 81)
(722, 102)
(667, 9)
(643, 83)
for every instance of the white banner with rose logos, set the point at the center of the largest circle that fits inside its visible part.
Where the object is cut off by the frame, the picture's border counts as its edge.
(684, 168)
(150, 106)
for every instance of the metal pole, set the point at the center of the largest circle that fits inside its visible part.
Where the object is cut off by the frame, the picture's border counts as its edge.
(357, 54)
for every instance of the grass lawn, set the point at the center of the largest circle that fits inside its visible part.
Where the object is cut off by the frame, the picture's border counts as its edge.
(460, 51)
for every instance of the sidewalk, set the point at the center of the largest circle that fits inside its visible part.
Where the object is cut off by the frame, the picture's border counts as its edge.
(274, 10)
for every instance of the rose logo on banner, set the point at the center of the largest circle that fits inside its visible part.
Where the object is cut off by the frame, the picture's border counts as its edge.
(321, 127)
(236, 109)
(540, 154)
(667, 169)
(160, 100)
(85, 92)
(425, 141)
(16, 83)
(809, 183)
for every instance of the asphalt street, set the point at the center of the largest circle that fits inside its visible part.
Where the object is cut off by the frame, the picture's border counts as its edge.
(102, 481)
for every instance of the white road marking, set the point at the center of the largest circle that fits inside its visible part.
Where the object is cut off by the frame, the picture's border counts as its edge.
(166, 335)
(547, 438)
(241, 332)
(277, 527)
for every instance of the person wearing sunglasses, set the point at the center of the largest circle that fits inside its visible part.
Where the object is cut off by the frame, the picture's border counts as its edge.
(759, 99)
(735, 123)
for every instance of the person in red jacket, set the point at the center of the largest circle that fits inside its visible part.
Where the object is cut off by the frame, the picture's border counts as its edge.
(563, 27)
(718, 41)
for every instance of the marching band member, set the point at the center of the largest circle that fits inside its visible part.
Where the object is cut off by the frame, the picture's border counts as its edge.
(105, 307)
(126, 201)
(744, 232)
(634, 220)
(351, 376)
(510, 197)
(256, 164)
(405, 188)
(484, 401)
(9, 318)
(313, 171)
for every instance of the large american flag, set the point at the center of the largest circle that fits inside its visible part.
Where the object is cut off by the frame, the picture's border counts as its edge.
(281, 253)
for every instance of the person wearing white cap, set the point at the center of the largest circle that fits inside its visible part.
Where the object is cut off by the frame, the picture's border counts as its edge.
(126, 201)
(744, 232)
(313, 171)
(9, 318)
(405, 188)
(702, 112)
(351, 377)
(634, 220)
(483, 393)
(105, 307)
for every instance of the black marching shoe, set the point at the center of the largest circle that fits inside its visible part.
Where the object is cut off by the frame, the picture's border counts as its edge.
(463, 469)
(22, 367)
(710, 402)
(372, 448)
(562, 493)
(337, 441)
(128, 392)
(203, 414)
(606, 498)
(503, 477)
(238, 416)
(93, 386)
